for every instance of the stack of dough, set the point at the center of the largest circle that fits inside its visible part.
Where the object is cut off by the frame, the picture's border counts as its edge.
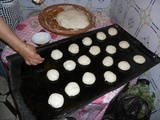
(72, 19)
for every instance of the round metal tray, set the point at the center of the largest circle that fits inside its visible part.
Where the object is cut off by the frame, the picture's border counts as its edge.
(47, 18)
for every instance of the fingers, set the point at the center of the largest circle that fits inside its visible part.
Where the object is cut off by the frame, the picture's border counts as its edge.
(34, 61)
(30, 55)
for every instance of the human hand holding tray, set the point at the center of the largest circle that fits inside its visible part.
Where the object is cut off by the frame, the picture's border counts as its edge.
(31, 87)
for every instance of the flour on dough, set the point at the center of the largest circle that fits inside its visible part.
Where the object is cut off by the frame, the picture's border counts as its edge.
(87, 41)
(110, 77)
(72, 19)
(56, 100)
(72, 89)
(52, 74)
(69, 65)
(88, 78)
(73, 48)
(56, 54)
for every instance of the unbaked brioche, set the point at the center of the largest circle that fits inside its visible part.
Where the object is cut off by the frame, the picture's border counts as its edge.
(72, 19)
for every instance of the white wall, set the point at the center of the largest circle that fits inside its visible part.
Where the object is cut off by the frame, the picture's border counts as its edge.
(141, 19)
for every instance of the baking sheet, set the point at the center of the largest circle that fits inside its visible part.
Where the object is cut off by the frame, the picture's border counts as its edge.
(31, 87)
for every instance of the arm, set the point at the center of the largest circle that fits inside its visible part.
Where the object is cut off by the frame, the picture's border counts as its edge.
(28, 52)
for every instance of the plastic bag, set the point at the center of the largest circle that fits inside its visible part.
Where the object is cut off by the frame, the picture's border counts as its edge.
(127, 107)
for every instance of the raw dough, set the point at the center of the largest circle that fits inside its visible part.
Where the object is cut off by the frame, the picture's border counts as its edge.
(69, 65)
(72, 19)
(107, 61)
(112, 31)
(88, 78)
(56, 100)
(87, 41)
(110, 77)
(56, 54)
(139, 59)
(84, 60)
(73, 48)
(101, 35)
(72, 89)
(124, 44)
(94, 50)
(53, 75)
(111, 49)
(124, 65)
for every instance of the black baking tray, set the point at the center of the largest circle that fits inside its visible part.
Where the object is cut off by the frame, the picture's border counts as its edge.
(31, 88)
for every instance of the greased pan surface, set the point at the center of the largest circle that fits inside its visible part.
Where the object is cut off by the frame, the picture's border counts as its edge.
(32, 88)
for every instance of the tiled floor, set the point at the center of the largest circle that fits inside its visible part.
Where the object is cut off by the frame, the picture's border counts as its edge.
(6, 100)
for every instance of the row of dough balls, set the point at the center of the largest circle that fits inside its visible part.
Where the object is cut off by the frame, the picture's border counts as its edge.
(94, 50)
(102, 36)
(88, 78)
(108, 61)
(87, 41)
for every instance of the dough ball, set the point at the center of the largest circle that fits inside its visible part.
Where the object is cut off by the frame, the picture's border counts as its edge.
(101, 35)
(87, 41)
(56, 54)
(139, 59)
(72, 19)
(84, 60)
(69, 65)
(112, 31)
(107, 61)
(111, 49)
(72, 89)
(94, 50)
(124, 44)
(56, 100)
(124, 65)
(88, 78)
(73, 48)
(110, 77)
(53, 75)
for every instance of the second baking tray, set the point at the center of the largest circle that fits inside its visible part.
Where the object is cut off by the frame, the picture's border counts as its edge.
(32, 88)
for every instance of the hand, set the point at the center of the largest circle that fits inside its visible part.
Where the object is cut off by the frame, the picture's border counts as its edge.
(30, 56)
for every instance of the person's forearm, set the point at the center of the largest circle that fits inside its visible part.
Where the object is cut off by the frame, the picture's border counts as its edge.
(8, 36)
